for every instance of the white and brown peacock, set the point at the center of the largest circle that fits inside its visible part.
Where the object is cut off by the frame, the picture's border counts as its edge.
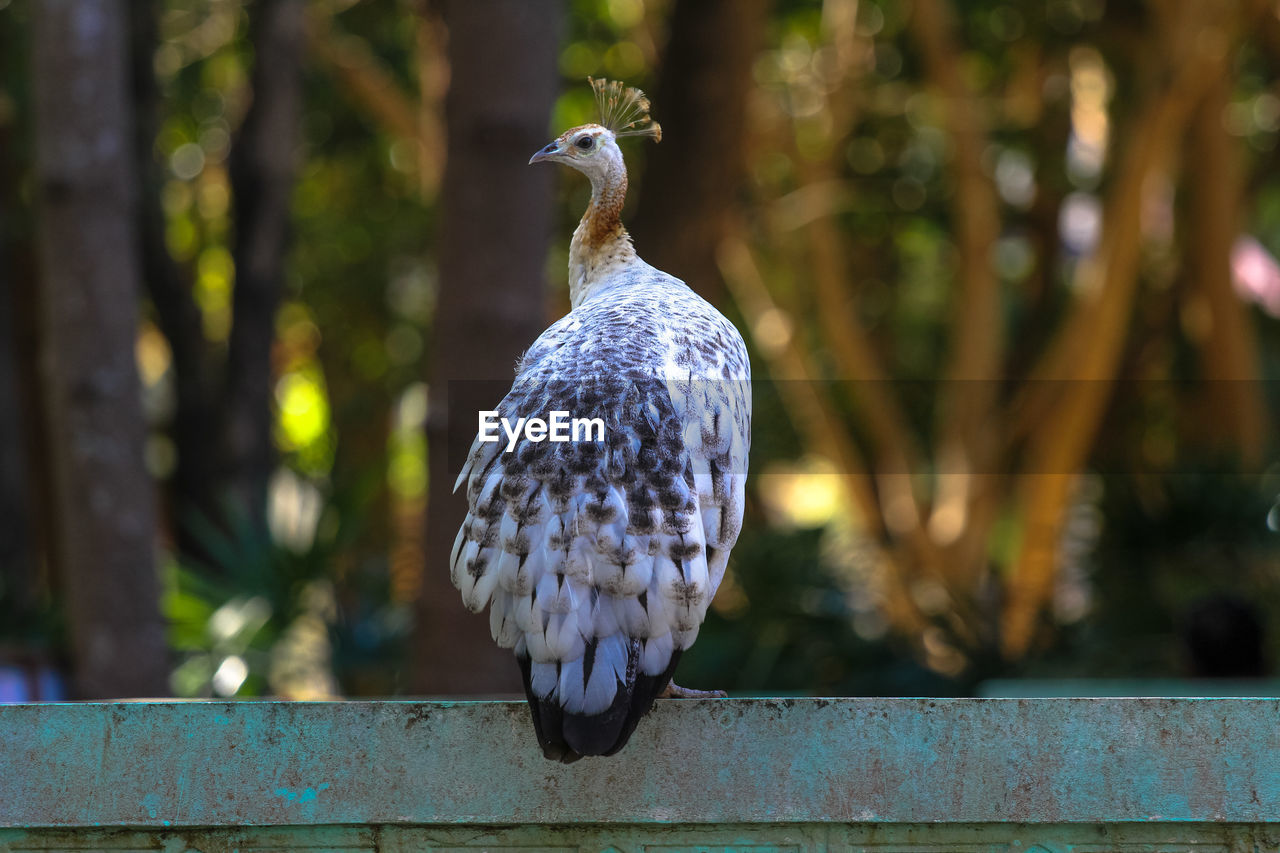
(598, 559)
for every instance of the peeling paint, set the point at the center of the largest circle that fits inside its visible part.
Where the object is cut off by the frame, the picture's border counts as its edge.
(890, 762)
(151, 802)
(306, 795)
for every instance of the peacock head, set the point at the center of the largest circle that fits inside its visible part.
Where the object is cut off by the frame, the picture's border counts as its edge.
(593, 148)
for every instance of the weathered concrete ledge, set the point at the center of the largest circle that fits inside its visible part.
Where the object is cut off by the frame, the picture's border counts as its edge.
(151, 765)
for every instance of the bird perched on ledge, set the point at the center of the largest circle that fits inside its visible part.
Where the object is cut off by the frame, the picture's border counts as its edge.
(598, 559)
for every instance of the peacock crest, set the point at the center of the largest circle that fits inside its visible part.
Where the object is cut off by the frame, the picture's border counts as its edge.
(624, 109)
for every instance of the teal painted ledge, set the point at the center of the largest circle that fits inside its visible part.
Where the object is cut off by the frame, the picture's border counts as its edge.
(712, 763)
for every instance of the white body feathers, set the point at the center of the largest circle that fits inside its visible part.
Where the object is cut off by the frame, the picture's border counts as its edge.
(580, 544)
(598, 560)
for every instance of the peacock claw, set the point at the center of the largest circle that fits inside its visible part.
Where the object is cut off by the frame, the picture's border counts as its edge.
(675, 691)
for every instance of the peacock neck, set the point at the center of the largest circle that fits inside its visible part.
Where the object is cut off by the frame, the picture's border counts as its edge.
(600, 244)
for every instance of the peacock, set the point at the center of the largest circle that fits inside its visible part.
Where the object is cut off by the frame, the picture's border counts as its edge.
(598, 557)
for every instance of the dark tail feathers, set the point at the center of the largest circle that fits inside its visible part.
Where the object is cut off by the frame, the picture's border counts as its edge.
(567, 737)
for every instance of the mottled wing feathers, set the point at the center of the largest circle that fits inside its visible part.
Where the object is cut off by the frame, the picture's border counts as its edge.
(598, 560)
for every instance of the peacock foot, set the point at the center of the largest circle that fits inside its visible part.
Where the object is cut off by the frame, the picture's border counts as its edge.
(675, 691)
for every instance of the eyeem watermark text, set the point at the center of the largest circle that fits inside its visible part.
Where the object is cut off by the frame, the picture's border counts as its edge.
(561, 427)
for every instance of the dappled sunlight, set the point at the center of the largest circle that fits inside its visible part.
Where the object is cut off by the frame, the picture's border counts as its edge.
(214, 275)
(304, 417)
(1091, 89)
(1256, 274)
(220, 668)
(407, 478)
(301, 664)
(801, 494)
(294, 506)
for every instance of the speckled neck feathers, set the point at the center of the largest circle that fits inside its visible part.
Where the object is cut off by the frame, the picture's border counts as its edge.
(601, 245)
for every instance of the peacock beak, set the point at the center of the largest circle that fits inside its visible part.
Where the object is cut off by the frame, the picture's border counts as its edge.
(546, 153)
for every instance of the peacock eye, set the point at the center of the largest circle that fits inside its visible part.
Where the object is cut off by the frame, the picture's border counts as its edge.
(585, 142)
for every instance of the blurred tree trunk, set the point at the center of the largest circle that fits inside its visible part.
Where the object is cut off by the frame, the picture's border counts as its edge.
(262, 169)
(1232, 406)
(17, 552)
(693, 182)
(105, 523)
(193, 487)
(18, 544)
(493, 242)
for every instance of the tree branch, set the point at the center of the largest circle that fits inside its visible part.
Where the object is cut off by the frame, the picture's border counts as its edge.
(967, 444)
(1228, 345)
(1088, 352)
(372, 87)
(816, 419)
